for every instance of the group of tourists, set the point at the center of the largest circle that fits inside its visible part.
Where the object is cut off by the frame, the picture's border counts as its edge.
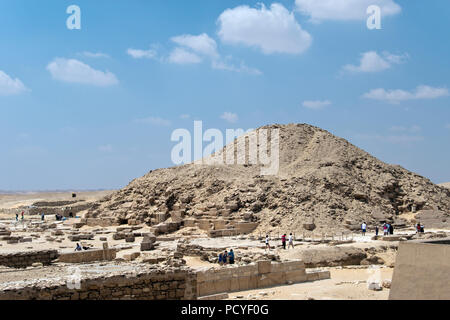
(388, 229)
(226, 257)
(22, 214)
(284, 239)
(420, 228)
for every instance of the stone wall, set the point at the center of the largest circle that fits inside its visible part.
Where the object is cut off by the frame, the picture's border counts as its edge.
(88, 256)
(26, 259)
(257, 275)
(422, 271)
(143, 285)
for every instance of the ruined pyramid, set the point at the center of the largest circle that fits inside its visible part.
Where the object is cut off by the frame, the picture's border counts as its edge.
(324, 183)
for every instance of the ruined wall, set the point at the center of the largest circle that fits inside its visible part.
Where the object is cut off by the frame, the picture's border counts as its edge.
(422, 271)
(257, 275)
(145, 285)
(26, 259)
(88, 256)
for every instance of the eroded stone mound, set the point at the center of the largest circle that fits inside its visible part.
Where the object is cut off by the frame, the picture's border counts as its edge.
(323, 181)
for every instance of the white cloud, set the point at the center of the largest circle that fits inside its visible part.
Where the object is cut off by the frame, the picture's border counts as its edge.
(230, 117)
(10, 86)
(412, 129)
(319, 10)
(316, 104)
(201, 44)
(273, 30)
(106, 148)
(372, 62)
(140, 54)
(74, 71)
(185, 116)
(154, 121)
(182, 56)
(221, 65)
(396, 96)
(94, 54)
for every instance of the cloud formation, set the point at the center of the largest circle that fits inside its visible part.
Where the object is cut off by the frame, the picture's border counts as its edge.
(230, 117)
(317, 104)
(273, 30)
(397, 96)
(371, 61)
(142, 54)
(94, 54)
(74, 71)
(344, 10)
(10, 86)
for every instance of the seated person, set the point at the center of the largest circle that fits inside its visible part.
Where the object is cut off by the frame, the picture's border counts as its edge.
(78, 248)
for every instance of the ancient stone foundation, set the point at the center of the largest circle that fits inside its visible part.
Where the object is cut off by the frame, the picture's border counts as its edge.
(144, 285)
(257, 275)
(26, 259)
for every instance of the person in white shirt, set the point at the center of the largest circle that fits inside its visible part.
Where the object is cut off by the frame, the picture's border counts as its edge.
(291, 241)
(364, 228)
(267, 242)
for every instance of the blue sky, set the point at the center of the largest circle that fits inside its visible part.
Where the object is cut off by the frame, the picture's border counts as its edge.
(95, 108)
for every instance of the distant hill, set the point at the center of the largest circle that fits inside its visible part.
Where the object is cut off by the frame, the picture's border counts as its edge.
(446, 185)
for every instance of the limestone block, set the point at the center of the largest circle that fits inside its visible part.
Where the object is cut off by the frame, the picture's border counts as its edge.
(264, 266)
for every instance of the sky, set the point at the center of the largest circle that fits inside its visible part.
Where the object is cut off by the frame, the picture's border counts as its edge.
(95, 107)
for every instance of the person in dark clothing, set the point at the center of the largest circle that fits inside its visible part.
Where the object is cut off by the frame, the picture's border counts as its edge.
(225, 257)
(220, 258)
(231, 256)
(283, 241)
(376, 230)
(78, 248)
(391, 229)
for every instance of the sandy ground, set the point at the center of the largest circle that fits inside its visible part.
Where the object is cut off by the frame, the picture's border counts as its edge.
(12, 201)
(345, 284)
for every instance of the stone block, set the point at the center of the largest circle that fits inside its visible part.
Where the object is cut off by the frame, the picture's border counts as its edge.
(264, 266)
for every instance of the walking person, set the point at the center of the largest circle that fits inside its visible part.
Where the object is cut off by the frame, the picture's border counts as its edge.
(391, 229)
(42, 216)
(17, 217)
(376, 230)
(22, 215)
(364, 228)
(291, 241)
(283, 241)
(267, 242)
(385, 229)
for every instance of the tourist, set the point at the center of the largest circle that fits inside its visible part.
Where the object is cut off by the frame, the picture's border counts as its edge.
(17, 217)
(385, 229)
(376, 230)
(422, 229)
(220, 258)
(391, 229)
(267, 242)
(78, 248)
(291, 241)
(231, 256)
(283, 241)
(225, 257)
(364, 228)
(418, 227)
(42, 216)
(22, 215)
